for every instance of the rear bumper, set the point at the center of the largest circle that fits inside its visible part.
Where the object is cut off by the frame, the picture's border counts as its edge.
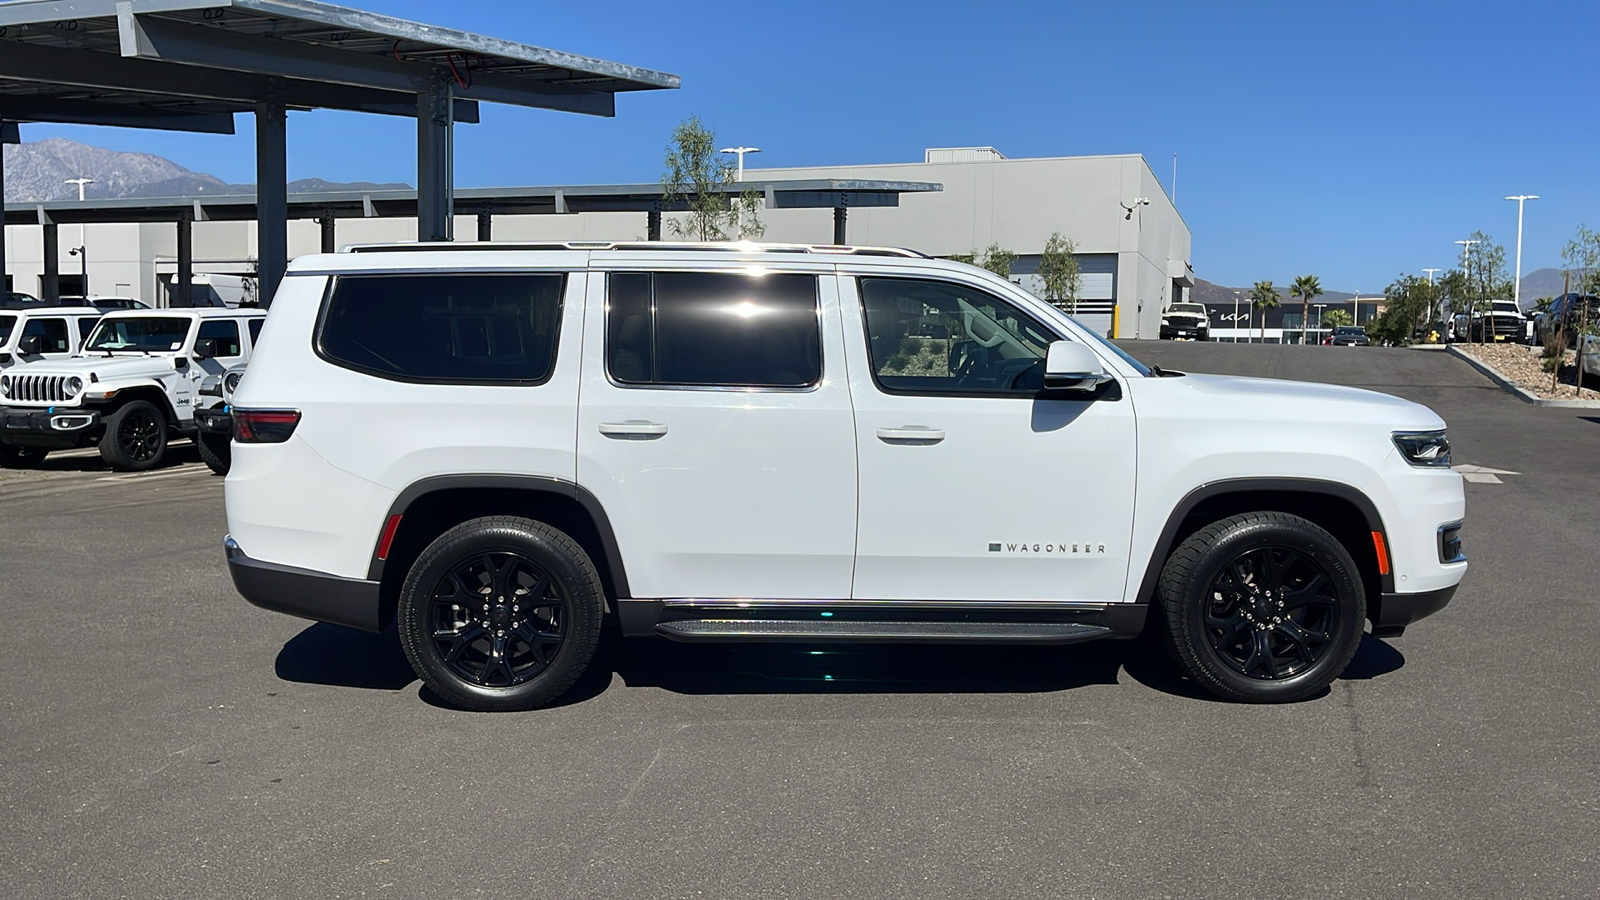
(52, 427)
(214, 421)
(1396, 611)
(352, 602)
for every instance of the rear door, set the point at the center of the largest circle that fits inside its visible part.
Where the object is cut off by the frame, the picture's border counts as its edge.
(714, 426)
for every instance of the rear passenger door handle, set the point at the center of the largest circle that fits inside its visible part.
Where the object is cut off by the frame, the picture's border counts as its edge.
(633, 430)
(911, 434)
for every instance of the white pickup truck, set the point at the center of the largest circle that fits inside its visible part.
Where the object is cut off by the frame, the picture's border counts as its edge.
(134, 385)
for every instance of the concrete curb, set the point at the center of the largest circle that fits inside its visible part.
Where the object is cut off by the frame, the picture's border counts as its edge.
(1521, 393)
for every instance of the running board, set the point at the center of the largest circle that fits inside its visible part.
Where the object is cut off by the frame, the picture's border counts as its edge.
(817, 631)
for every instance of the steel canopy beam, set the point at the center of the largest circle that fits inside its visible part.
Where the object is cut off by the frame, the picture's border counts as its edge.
(121, 115)
(104, 72)
(151, 38)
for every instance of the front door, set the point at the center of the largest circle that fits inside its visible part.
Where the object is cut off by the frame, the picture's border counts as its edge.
(714, 427)
(975, 483)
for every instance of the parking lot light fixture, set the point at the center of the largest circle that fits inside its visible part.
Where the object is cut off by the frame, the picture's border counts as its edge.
(741, 151)
(1516, 284)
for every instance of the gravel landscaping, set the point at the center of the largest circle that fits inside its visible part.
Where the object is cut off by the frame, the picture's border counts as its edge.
(1523, 366)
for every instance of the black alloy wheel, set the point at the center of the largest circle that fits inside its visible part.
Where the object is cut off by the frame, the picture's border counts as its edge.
(497, 619)
(501, 613)
(135, 438)
(1272, 613)
(1262, 607)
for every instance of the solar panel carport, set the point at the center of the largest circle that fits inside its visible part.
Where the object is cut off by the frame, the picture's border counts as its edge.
(190, 65)
(840, 195)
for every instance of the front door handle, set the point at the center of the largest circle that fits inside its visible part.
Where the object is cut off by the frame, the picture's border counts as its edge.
(633, 429)
(911, 434)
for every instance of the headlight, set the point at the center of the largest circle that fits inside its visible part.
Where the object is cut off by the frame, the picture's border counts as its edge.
(230, 382)
(74, 385)
(1166, 321)
(5, 385)
(1424, 448)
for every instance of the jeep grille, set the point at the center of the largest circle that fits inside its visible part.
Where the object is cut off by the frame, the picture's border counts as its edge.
(39, 389)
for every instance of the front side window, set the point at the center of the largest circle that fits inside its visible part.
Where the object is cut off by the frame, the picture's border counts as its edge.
(85, 327)
(7, 323)
(948, 338)
(225, 333)
(52, 334)
(722, 329)
(447, 329)
(147, 334)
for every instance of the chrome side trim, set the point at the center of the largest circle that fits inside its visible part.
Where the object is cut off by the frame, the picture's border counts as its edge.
(693, 603)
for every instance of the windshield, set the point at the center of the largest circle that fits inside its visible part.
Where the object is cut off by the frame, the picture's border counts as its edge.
(1194, 308)
(6, 324)
(151, 334)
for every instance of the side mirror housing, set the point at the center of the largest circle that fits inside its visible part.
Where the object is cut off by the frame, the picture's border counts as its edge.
(30, 345)
(205, 348)
(1071, 366)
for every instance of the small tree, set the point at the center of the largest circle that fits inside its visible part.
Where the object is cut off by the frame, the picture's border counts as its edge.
(697, 177)
(1409, 302)
(1337, 318)
(1060, 272)
(994, 258)
(1264, 296)
(1482, 280)
(1305, 287)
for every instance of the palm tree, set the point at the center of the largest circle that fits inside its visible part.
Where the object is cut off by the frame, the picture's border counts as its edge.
(1264, 296)
(1305, 287)
(1334, 318)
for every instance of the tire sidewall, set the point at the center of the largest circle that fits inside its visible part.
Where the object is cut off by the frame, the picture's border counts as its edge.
(1325, 551)
(553, 551)
(216, 451)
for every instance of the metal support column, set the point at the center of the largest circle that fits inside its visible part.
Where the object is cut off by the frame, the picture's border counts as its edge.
(183, 285)
(653, 223)
(329, 238)
(50, 284)
(486, 223)
(841, 214)
(272, 193)
(435, 159)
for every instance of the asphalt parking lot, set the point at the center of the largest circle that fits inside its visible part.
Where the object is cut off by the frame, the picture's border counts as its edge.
(164, 739)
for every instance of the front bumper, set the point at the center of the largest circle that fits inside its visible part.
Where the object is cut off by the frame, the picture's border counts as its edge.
(52, 427)
(214, 421)
(1396, 611)
(1169, 332)
(352, 602)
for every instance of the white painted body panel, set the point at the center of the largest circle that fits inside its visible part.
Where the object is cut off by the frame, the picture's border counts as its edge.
(748, 493)
(1048, 481)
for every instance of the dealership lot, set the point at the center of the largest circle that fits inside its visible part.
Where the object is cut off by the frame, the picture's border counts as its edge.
(163, 738)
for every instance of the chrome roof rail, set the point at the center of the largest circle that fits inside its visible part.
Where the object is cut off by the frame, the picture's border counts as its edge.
(717, 246)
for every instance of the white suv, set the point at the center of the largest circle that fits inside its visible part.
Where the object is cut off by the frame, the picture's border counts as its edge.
(133, 385)
(502, 445)
(43, 333)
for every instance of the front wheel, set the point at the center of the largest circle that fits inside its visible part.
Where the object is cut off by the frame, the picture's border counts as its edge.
(216, 450)
(501, 613)
(14, 456)
(135, 438)
(1264, 607)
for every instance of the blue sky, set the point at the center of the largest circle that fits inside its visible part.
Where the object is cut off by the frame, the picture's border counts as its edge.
(1349, 140)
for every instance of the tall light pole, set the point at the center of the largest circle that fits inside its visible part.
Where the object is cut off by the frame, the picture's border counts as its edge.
(1357, 301)
(741, 151)
(1235, 317)
(1431, 273)
(1319, 307)
(81, 183)
(1516, 286)
(1466, 255)
(83, 239)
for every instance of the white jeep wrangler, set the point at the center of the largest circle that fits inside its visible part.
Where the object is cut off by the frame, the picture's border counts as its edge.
(501, 445)
(132, 386)
(43, 333)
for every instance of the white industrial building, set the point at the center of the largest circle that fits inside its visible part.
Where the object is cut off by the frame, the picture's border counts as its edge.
(1132, 243)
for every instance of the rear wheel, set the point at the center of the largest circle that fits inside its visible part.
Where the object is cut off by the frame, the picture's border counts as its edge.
(216, 450)
(13, 456)
(1263, 607)
(135, 438)
(501, 613)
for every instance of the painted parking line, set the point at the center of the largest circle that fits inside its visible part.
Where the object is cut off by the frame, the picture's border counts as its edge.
(190, 469)
(1483, 474)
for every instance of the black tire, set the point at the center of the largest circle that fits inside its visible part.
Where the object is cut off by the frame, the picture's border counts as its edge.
(468, 636)
(15, 456)
(135, 438)
(216, 450)
(1263, 581)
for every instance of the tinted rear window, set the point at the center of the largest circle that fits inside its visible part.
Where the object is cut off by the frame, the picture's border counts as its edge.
(720, 329)
(451, 329)
(6, 324)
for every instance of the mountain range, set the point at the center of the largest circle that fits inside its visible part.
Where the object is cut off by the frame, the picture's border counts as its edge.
(38, 171)
(1535, 284)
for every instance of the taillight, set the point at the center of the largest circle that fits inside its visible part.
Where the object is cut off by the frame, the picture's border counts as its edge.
(264, 426)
